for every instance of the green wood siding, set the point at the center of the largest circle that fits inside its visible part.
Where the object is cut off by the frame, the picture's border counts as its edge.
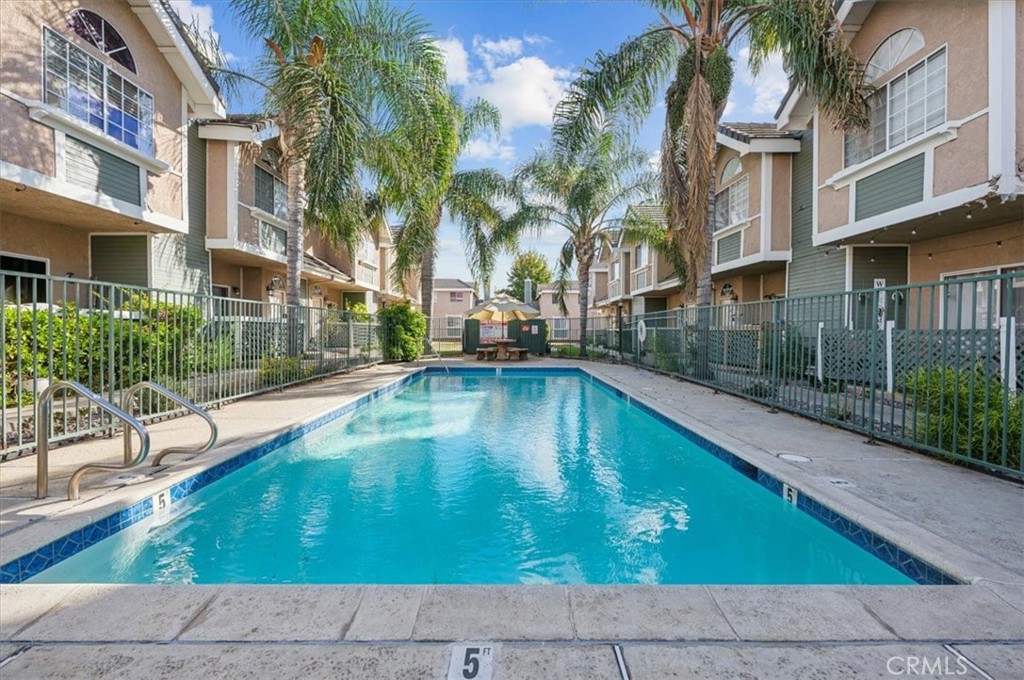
(181, 261)
(892, 188)
(97, 170)
(729, 247)
(811, 272)
(870, 263)
(120, 259)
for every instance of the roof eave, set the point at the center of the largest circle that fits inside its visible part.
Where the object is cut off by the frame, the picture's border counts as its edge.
(206, 101)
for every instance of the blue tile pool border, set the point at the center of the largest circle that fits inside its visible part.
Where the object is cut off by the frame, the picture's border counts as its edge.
(32, 563)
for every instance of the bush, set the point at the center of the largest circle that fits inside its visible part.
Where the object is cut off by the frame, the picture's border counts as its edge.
(401, 331)
(282, 370)
(976, 424)
(784, 351)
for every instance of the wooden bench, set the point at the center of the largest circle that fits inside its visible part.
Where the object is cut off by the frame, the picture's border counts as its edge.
(518, 353)
(488, 353)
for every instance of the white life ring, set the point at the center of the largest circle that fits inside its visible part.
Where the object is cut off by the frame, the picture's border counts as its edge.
(641, 331)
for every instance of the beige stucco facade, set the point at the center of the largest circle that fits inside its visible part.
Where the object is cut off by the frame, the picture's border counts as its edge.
(452, 302)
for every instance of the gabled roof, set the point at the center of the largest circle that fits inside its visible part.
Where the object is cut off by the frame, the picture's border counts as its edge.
(573, 287)
(649, 211)
(452, 284)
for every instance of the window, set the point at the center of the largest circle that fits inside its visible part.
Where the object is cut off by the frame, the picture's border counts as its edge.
(641, 256)
(82, 86)
(892, 51)
(732, 205)
(904, 108)
(559, 329)
(274, 239)
(23, 289)
(271, 194)
(980, 304)
(455, 297)
(453, 327)
(731, 169)
(95, 30)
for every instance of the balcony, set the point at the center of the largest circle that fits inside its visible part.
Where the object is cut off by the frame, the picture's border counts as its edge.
(643, 278)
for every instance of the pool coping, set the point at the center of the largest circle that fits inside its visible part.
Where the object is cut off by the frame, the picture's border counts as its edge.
(846, 521)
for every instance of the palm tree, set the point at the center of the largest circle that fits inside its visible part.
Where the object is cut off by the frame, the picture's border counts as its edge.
(584, 192)
(471, 197)
(688, 50)
(357, 91)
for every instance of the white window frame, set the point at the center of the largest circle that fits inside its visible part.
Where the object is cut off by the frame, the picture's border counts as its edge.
(279, 209)
(265, 229)
(950, 281)
(456, 296)
(885, 90)
(726, 194)
(453, 326)
(146, 125)
(559, 328)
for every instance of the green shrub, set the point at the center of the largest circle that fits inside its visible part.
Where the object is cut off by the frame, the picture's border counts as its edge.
(282, 370)
(784, 352)
(566, 350)
(962, 411)
(401, 331)
(761, 389)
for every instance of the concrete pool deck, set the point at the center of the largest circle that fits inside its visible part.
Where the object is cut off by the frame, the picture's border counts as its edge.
(965, 522)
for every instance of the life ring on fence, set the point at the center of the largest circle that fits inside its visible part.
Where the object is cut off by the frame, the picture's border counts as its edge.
(641, 331)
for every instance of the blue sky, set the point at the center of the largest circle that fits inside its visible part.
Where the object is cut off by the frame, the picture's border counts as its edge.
(520, 54)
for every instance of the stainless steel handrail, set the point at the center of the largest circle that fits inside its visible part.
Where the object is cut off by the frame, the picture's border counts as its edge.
(437, 355)
(43, 413)
(126, 404)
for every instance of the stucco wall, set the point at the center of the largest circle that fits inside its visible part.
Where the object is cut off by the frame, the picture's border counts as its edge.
(216, 193)
(67, 249)
(443, 307)
(782, 164)
(969, 250)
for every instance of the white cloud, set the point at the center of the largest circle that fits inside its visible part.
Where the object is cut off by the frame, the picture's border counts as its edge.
(494, 52)
(488, 149)
(525, 91)
(536, 39)
(200, 17)
(457, 60)
(769, 85)
(730, 106)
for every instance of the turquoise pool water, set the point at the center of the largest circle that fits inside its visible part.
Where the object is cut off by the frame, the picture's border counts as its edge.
(464, 479)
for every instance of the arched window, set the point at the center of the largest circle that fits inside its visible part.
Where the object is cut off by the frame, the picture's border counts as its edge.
(731, 169)
(96, 31)
(892, 51)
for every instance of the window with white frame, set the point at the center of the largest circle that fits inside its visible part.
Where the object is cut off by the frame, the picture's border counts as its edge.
(904, 108)
(980, 304)
(559, 329)
(272, 238)
(732, 204)
(455, 296)
(271, 194)
(86, 89)
(98, 32)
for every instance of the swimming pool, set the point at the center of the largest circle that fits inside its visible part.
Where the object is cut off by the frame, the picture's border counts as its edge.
(526, 477)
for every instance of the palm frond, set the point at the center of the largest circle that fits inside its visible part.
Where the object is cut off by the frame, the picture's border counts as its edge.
(619, 88)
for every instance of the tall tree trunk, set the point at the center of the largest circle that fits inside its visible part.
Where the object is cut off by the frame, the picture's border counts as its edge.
(702, 360)
(296, 177)
(583, 277)
(427, 283)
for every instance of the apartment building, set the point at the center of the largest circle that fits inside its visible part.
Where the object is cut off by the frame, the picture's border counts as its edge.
(99, 102)
(933, 190)
(120, 164)
(551, 311)
(246, 228)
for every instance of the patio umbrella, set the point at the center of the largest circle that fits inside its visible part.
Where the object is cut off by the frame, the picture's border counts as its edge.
(502, 308)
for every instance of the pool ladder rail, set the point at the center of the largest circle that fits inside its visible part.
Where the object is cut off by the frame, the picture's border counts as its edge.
(432, 351)
(44, 409)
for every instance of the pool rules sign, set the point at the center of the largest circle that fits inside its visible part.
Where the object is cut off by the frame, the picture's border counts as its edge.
(472, 661)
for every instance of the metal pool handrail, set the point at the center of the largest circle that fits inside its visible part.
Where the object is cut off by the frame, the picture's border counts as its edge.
(126, 402)
(43, 413)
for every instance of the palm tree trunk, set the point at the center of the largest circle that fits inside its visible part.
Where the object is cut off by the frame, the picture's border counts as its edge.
(427, 283)
(296, 184)
(583, 276)
(702, 359)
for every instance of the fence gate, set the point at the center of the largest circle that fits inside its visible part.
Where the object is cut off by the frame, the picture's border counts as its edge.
(470, 336)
